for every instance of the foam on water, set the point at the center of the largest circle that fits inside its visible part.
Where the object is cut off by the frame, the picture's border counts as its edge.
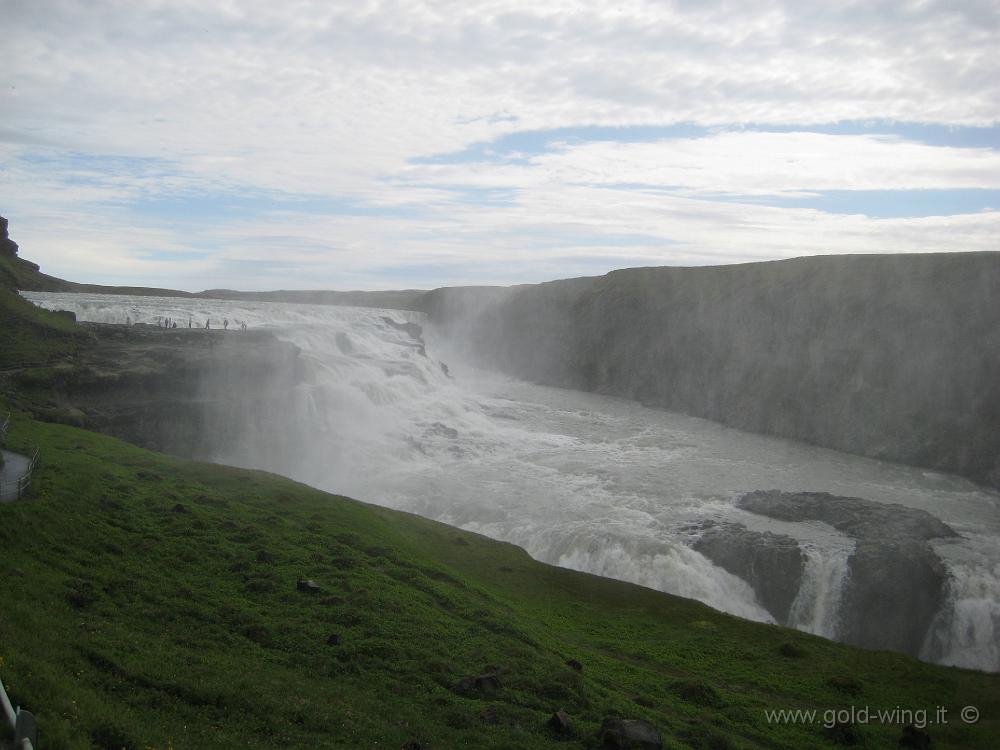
(598, 484)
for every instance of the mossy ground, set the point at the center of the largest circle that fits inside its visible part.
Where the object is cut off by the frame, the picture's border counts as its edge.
(151, 602)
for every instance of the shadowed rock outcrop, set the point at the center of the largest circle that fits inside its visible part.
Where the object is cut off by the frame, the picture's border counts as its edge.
(896, 582)
(7, 246)
(187, 391)
(771, 563)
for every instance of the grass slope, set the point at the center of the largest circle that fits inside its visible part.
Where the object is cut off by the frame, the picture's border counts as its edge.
(28, 334)
(151, 602)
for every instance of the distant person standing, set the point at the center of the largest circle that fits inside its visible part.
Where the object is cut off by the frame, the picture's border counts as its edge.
(206, 323)
(225, 324)
(189, 321)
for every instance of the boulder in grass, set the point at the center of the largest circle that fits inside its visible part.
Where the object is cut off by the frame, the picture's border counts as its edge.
(559, 723)
(307, 585)
(487, 683)
(628, 734)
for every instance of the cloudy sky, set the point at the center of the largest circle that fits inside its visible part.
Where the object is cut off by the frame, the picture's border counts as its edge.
(398, 143)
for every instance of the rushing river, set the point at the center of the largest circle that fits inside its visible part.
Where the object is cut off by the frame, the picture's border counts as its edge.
(584, 481)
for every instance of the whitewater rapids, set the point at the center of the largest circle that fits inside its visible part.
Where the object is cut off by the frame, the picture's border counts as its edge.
(593, 483)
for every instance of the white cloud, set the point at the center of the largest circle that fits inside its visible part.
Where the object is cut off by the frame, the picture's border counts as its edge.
(337, 99)
(743, 163)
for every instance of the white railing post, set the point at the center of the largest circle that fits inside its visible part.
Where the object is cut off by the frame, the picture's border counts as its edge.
(22, 722)
(8, 710)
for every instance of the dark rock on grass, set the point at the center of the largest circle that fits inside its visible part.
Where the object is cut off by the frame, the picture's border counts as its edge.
(81, 595)
(255, 633)
(333, 640)
(414, 745)
(574, 664)
(843, 734)
(179, 508)
(791, 651)
(460, 541)
(307, 586)
(699, 694)
(626, 734)
(265, 557)
(914, 738)
(560, 723)
(489, 715)
(487, 683)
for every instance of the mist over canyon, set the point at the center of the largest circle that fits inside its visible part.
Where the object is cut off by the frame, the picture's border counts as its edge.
(434, 411)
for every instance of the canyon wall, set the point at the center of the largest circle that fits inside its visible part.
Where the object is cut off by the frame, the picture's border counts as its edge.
(895, 357)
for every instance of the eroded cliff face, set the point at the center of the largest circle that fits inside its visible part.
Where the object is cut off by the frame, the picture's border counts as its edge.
(895, 584)
(183, 391)
(890, 356)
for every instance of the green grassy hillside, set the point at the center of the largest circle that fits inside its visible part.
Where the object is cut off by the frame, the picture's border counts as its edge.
(150, 602)
(28, 334)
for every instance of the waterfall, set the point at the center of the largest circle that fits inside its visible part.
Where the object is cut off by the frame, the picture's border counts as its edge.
(598, 484)
(816, 608)
(966, 633)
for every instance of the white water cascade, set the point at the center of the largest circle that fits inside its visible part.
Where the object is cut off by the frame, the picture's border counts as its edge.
(817, 604)
(584, 481)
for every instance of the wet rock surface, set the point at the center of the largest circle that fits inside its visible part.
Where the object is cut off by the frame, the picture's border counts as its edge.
(854, 516)
(771, 563)
(178, 390)
(896, 582)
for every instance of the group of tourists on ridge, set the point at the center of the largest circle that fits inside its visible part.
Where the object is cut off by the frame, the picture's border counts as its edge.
(162, 322)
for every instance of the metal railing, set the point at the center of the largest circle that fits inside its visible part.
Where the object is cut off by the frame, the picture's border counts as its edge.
(21, 484)
(22, 722)
(16, 489)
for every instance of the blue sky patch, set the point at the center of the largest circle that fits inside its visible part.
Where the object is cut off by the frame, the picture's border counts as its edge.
(883, 204)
